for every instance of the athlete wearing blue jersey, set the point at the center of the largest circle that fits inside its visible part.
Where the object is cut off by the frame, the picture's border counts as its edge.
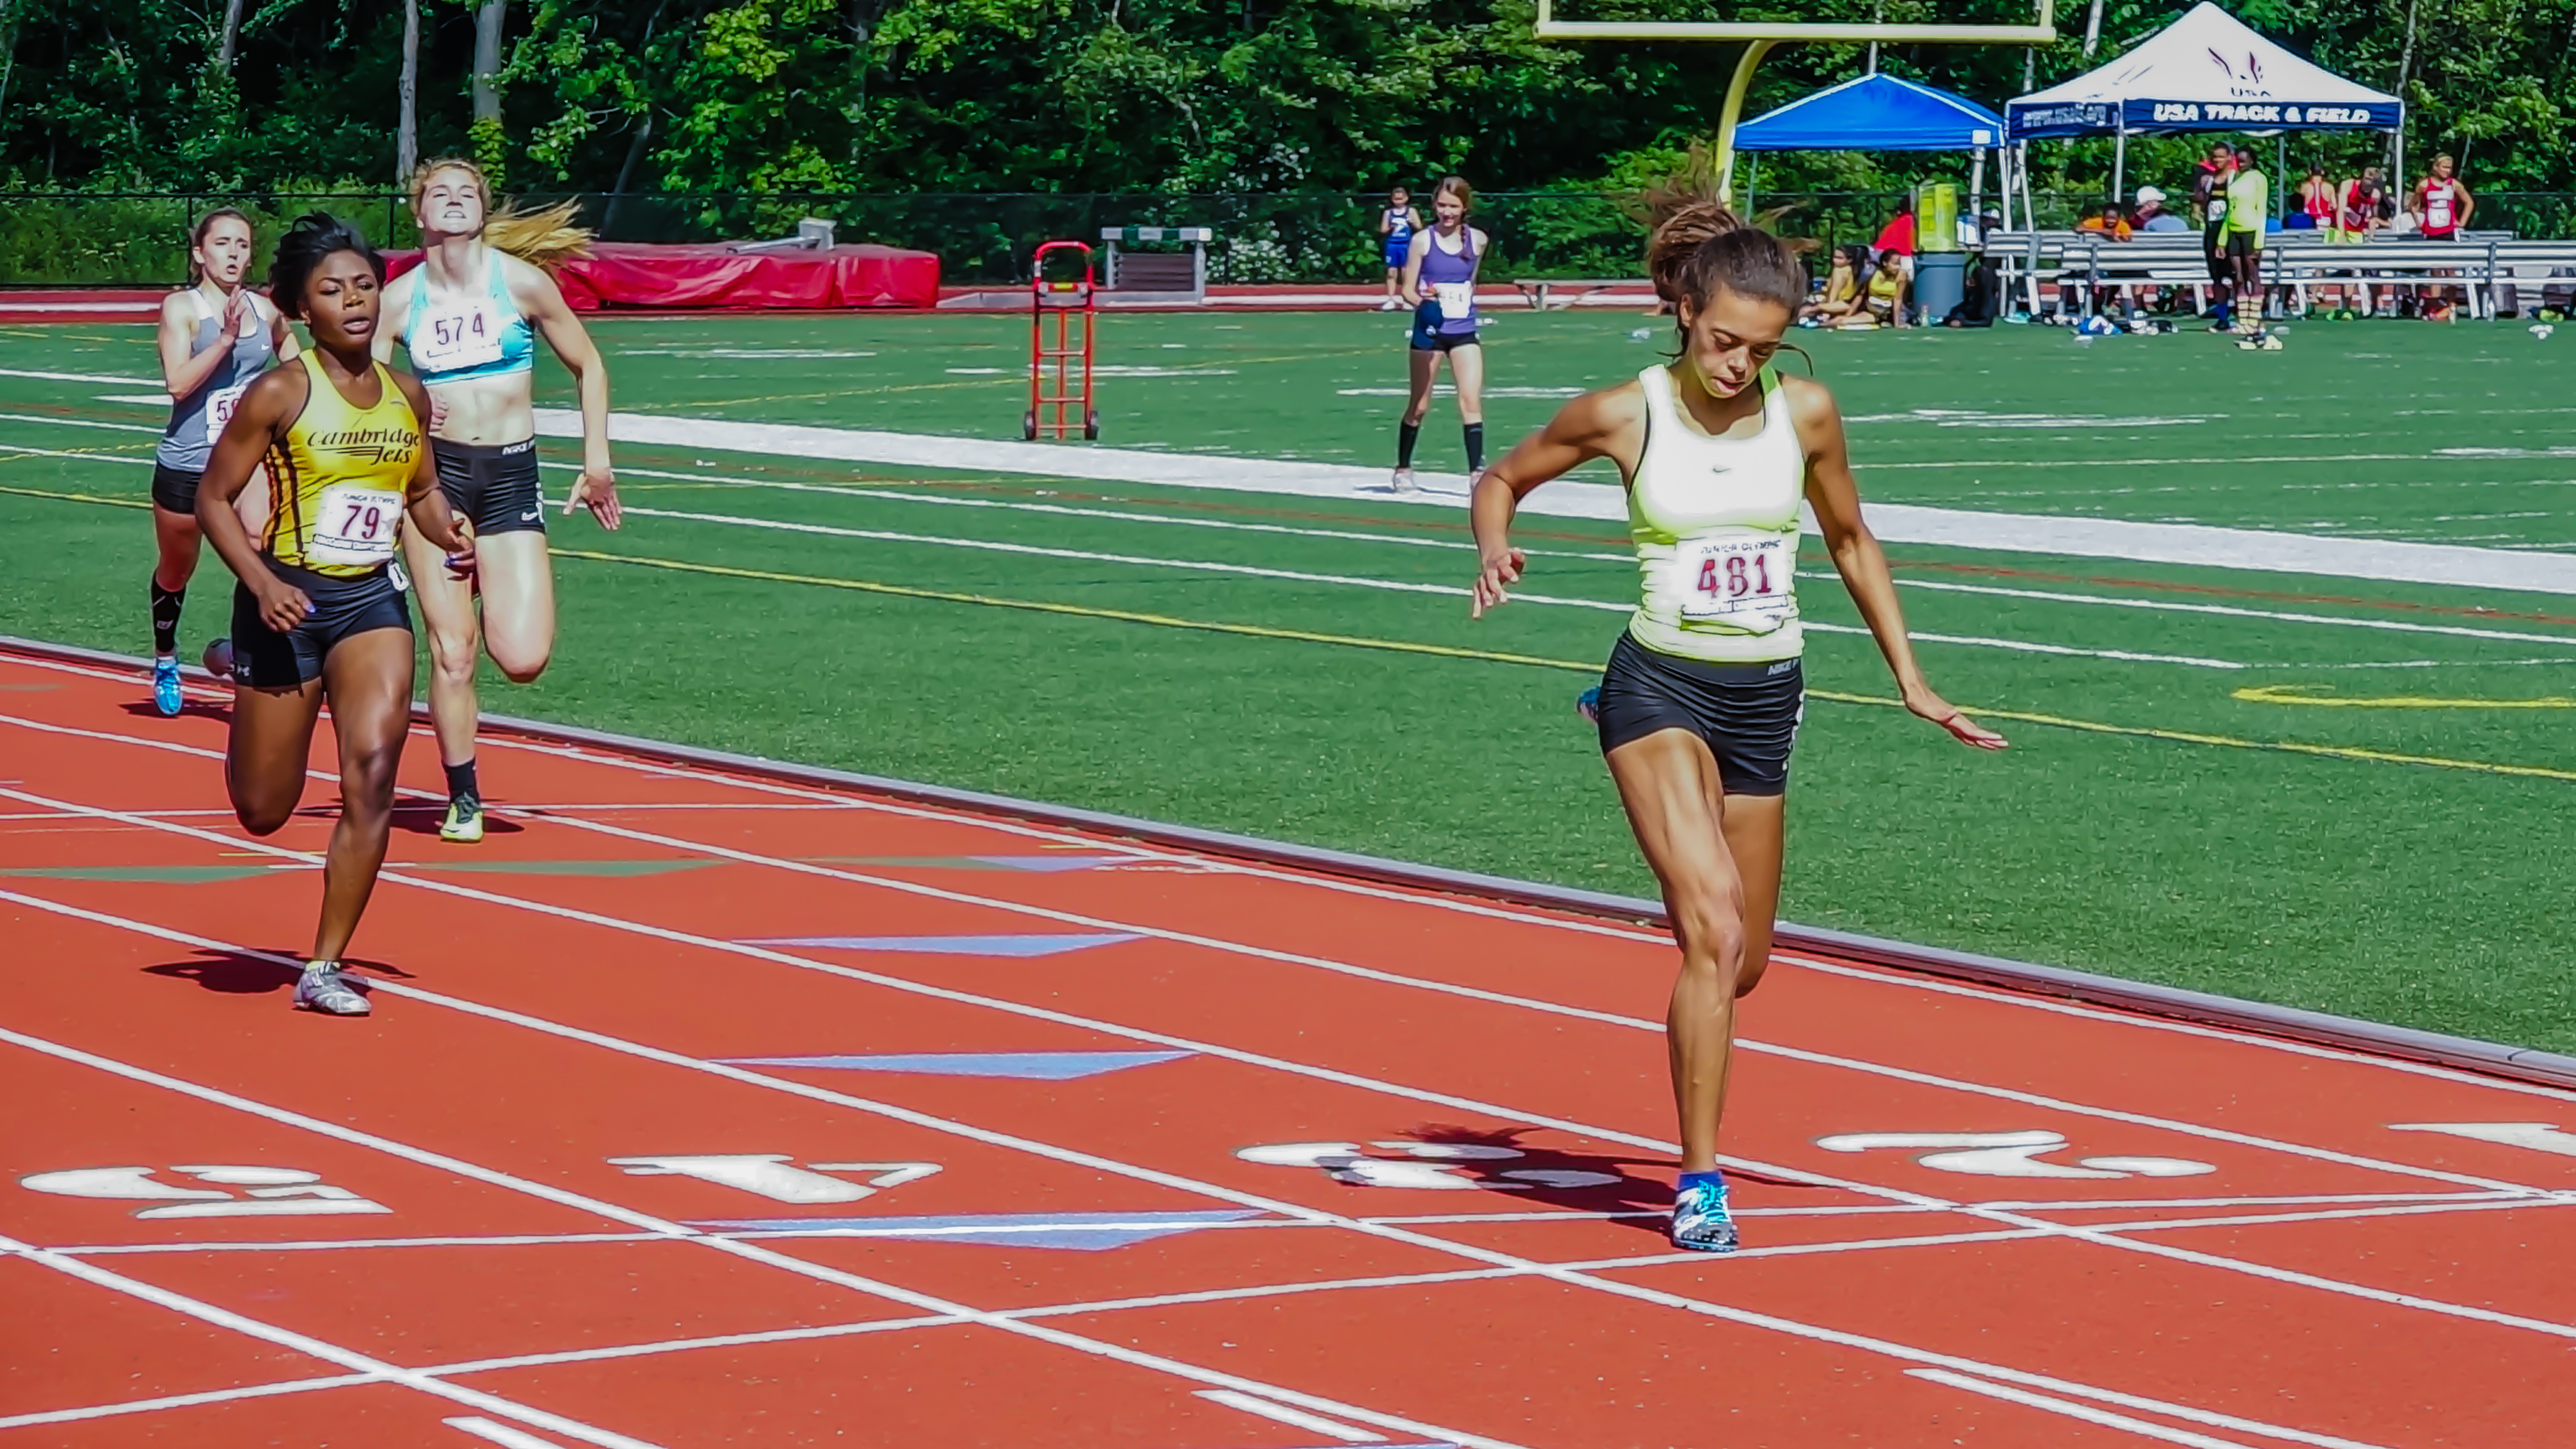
(1396, 225)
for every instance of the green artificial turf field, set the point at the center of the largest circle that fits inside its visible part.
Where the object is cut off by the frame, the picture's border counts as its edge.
(2181, 802)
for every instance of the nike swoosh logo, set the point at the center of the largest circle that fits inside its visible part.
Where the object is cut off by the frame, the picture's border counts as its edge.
(531, 515)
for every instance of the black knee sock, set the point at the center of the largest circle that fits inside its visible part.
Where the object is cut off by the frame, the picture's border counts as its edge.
(1406, 435)
(461, 784)
(166, 604)
(1475, 447)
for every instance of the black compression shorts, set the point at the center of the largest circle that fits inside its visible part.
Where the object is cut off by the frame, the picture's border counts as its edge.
(2244, 244)
(1427, 336)
(342, 609)
(493, 487)
(175, 489)
(1747, 713)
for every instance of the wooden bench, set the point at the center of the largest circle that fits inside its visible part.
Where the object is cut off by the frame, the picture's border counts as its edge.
(1540, 292)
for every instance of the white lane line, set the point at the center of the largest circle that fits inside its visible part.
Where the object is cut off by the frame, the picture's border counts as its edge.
(1293, 1418)
(501, 1434)
(1120, 515)
(2094, 1235)
(311, 1347)
(1349, 581)
(2198, 545)
(1264, 953)
(1459, 905)
(81, 377)
(1477, 994)
(750, 1251)
(78, 423)
(187, 1401)
(1413, 897)
(2230, 611)
(2084, 1412)
(1639, 1293)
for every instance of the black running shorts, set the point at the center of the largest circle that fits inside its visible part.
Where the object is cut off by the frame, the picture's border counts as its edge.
(2244, 244)
(175, 488)
(342, 609)
(1427, 336)
(1747, 713)
(495, 488)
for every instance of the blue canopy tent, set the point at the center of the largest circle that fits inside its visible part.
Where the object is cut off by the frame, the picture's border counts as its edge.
(1874, 113)
(1878, 112)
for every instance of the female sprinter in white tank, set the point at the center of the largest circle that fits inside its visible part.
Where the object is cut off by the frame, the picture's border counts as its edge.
(1701, 701)
(469, 314)
(217, 337)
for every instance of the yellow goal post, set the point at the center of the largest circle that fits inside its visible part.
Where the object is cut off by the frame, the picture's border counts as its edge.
(1759, 37)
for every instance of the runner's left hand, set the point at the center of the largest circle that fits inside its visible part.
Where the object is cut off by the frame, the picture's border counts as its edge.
(1495, 572)
(1941, 712)
(596, 490)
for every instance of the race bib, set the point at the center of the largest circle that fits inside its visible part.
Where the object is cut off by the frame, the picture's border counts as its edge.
(457, 336)
(1747, 583)
(1457, 300)
(2217, 209)
(354, 526)
(220, 405)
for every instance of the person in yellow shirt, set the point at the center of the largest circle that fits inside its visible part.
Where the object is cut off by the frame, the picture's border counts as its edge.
(2249, 203)
(319, 613)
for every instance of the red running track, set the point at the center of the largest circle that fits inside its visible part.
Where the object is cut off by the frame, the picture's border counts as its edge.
(1320, 1162)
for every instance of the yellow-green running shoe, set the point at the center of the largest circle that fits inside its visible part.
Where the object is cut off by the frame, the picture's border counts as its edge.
(464, 822)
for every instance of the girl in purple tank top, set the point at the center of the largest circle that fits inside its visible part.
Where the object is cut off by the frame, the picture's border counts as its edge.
(1440, 283)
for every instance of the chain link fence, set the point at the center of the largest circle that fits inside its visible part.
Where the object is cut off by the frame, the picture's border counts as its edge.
(135, 239)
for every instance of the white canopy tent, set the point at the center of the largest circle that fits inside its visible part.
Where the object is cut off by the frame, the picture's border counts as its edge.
(2208, 71)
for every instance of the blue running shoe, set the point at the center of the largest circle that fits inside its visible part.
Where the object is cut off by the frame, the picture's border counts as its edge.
(1588, 704)
(1701, 1222)
(165, 686)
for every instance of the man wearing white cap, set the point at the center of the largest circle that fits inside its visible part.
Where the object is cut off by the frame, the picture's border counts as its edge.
(2151, 214)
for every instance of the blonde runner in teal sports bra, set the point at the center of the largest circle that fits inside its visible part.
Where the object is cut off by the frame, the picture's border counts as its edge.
(469, 316)
(1700, 704)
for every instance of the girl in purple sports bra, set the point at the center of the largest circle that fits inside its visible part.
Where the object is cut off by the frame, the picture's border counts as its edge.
(1440, 282)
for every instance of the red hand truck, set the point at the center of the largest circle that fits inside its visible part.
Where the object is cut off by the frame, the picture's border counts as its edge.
(1053, 396)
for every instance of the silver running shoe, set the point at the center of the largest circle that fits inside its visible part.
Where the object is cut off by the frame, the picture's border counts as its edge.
(322, 988)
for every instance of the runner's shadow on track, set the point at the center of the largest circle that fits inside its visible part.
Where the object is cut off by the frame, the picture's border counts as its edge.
(190, 709)
(421, 817)
(1578, 1182)
(247, 976)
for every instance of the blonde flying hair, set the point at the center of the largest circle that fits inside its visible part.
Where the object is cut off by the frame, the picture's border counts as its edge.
(540, 238)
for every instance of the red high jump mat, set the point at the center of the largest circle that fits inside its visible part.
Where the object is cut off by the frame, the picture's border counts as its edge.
(714, 278)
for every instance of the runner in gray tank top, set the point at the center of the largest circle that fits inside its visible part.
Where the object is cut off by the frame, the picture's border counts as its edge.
(215, 338)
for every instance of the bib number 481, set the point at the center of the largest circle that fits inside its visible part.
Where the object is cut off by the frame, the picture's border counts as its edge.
(1736, 576)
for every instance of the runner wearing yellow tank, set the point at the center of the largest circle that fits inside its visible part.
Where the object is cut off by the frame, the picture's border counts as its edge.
(1700, 703)
(470, 315)
(319, 614)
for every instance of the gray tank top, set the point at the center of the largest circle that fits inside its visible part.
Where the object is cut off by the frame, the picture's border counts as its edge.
(189, 437)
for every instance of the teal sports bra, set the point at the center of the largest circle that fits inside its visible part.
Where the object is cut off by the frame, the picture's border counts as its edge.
(483, 335)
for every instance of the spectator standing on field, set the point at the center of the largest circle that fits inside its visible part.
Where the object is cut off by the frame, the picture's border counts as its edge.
(2209, 198)
(2249, 205)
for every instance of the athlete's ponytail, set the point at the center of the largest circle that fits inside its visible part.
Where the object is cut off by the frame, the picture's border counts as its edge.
(540, 238)
(314, 236)
(1700, 248)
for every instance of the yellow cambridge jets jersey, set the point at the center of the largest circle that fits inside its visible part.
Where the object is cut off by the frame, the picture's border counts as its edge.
(339, 477)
